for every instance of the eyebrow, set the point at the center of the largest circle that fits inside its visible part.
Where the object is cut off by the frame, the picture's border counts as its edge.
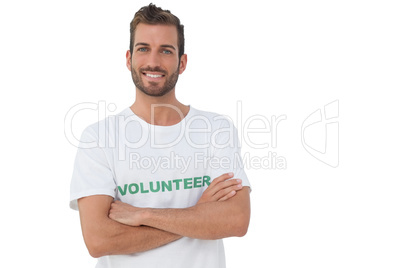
(169, 46)
(147, 45)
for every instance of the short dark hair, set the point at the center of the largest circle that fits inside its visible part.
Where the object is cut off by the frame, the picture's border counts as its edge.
(154, 15)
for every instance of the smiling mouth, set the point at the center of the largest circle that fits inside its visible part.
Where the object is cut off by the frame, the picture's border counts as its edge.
(153, 75)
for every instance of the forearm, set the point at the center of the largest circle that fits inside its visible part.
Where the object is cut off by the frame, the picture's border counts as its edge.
(116, 239)
(212, 220)
(104, 236)
(222, 211)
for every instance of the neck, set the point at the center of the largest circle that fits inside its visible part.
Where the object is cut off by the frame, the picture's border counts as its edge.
(162, 111)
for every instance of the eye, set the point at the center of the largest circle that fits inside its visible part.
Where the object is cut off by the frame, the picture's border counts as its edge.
(142, 49)
(165, 51)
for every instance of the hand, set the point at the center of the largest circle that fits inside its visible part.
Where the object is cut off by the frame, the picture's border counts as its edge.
(125, 213)
(222, 188)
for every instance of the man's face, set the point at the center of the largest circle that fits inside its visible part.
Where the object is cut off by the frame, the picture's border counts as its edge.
(154, 63)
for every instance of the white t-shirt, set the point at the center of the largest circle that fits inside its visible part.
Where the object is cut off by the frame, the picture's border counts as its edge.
(160, 167)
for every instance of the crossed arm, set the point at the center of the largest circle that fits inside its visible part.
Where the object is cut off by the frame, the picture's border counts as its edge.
(111, 228)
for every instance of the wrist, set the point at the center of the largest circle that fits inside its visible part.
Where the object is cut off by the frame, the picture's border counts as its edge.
(146, 215)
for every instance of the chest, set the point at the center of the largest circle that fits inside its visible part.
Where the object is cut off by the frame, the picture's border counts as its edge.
(162, 178)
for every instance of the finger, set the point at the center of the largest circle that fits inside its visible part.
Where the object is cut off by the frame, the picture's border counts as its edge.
(227, 191)
(228, 196)
(221, 178)
(214, 187)
(222, 182)
(217, 185)
(229, 183)
(224, 185)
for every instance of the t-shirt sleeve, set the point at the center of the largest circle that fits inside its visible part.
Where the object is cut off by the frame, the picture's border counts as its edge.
(92, 174)
(226, 153)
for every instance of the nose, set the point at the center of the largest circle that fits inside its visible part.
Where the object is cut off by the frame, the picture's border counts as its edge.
(154, 59)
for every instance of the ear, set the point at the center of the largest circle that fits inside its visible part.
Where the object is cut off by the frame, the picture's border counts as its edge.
(128, 60)
(183, 63)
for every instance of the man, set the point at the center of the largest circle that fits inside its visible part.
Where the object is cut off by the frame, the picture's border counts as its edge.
(159, 184)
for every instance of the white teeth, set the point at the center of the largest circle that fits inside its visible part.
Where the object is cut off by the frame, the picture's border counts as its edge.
(154, 75)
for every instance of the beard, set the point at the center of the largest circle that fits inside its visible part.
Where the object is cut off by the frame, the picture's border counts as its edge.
(153, 89)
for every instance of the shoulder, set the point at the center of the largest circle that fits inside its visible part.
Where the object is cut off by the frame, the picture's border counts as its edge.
(213, 119)
(105, 127)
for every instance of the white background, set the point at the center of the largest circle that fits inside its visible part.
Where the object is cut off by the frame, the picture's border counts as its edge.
(276, 57)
